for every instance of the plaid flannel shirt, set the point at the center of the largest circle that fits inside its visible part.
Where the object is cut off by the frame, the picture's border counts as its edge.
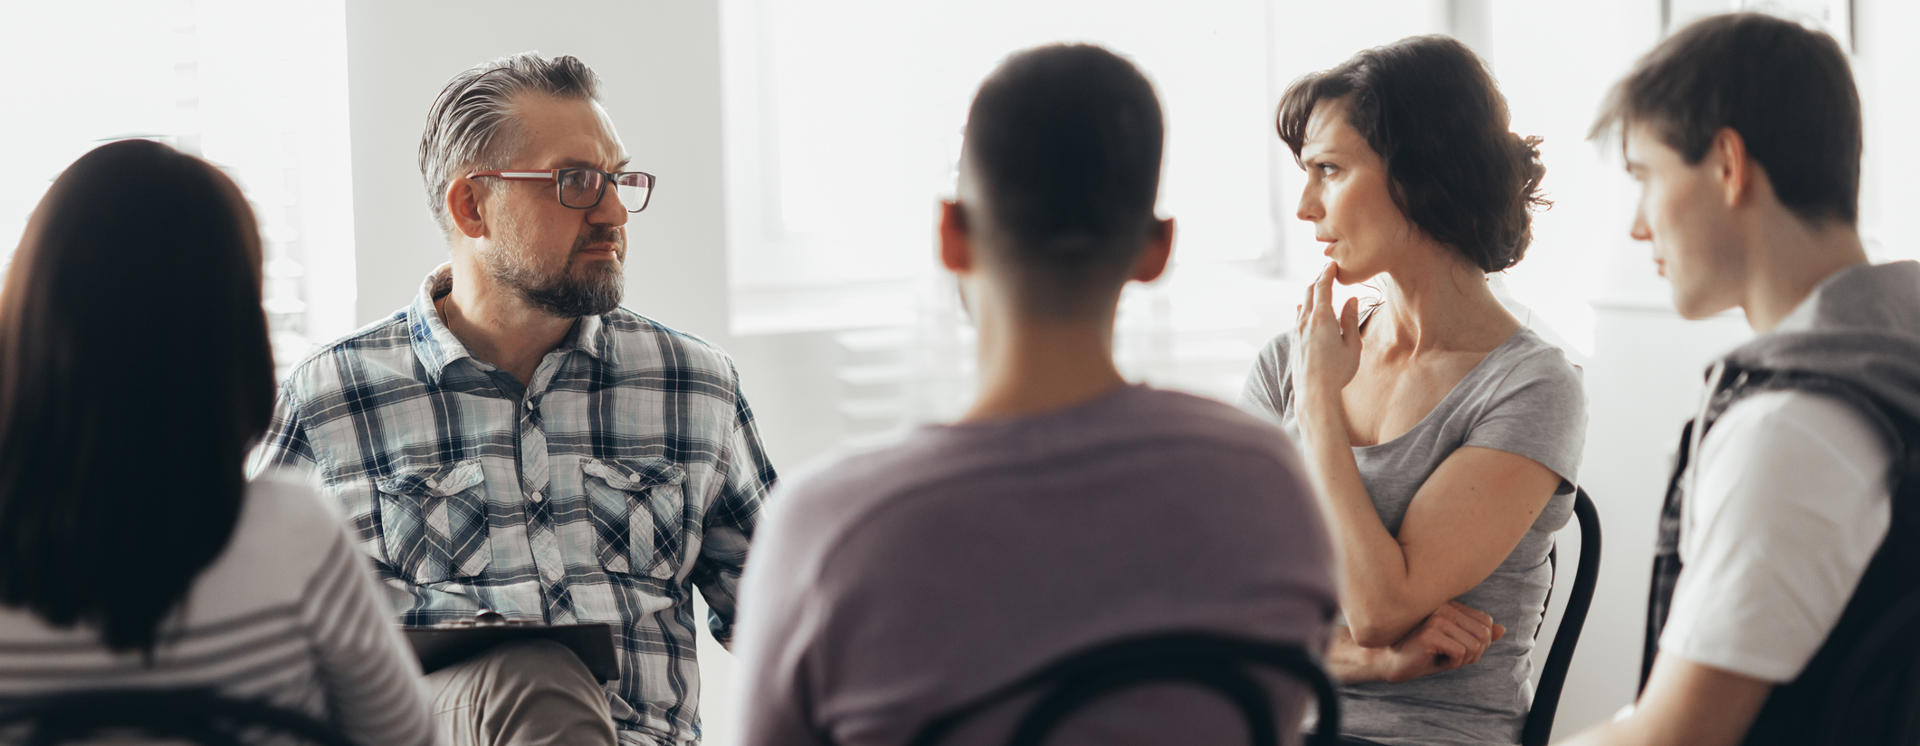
(627, 472)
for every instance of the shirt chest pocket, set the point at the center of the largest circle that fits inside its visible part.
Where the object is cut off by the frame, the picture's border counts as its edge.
(433, 522)
(637, 507)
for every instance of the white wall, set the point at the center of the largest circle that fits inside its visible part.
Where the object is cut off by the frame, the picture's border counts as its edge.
(1887, 63)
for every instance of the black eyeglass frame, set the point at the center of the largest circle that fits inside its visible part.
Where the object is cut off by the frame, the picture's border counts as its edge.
(558, 176)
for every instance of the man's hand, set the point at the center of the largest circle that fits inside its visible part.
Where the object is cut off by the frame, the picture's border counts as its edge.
(1452, 636)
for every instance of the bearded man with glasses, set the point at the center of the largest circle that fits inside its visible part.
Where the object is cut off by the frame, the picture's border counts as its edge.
(516, 442)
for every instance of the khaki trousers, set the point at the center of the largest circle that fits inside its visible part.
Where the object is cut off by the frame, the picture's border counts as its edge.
(534, 693)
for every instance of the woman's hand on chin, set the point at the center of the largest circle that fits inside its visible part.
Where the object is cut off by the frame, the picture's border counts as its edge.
(1326, 344)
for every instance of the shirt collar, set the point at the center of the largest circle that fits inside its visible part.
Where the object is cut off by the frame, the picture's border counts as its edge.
(433, 343)
(436, 346)
(586, 336)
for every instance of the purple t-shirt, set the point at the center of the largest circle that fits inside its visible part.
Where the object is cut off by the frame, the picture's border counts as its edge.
(890, 587)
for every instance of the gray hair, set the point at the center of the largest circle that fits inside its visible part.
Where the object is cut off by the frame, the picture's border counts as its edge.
(470, 124)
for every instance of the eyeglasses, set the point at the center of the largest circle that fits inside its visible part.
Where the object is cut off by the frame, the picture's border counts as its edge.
(582, 188)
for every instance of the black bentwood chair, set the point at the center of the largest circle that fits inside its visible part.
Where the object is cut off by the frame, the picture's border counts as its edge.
(1553, 676)
(199, 716)
(1213, 662)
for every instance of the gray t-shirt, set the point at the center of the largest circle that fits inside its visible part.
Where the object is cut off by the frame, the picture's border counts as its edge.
(893, 586)
(1523, 398)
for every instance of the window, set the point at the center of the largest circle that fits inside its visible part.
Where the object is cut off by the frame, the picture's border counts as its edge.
(1580, 252)
(258, 89)
(844, 120)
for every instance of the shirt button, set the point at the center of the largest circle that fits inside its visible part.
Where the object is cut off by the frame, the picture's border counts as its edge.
(535, 495)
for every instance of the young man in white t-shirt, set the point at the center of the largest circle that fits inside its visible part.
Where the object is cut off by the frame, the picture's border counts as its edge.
(1774, 565)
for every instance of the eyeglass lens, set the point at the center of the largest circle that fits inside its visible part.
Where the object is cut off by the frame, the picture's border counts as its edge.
(580, 188)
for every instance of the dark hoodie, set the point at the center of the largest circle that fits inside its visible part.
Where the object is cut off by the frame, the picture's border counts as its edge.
(1856, 338)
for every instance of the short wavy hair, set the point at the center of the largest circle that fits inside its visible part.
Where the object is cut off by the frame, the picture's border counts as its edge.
(1429, 108)
(470, 125)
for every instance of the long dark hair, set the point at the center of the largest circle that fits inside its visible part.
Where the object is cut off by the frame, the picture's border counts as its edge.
(1429, 108)
(135, 373)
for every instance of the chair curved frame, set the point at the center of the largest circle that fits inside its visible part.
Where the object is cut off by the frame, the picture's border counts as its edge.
(1553, 676)
(1214, 662)
(201, 715)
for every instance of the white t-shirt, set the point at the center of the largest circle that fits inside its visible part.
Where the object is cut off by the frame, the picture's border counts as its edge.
(1790, 501)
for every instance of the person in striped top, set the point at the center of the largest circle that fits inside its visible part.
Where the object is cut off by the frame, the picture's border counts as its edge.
(135, 374)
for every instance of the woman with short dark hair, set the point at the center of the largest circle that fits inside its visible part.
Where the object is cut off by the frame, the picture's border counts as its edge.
(135, 375)
(1444, 435)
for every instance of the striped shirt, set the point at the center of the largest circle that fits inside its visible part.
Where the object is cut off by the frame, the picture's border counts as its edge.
(626, 473)
(287, 614)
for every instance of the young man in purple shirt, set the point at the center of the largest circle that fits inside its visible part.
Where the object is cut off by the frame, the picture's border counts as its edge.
(1067, 508)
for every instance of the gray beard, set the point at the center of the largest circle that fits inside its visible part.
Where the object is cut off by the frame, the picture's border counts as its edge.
(597, 293)
(562, 294)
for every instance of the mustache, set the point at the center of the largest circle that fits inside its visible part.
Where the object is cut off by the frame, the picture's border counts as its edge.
(603, 234)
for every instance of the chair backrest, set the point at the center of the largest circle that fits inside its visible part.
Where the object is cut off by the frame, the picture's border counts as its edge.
(201, 716)
(1214, 662)
(1553, 676)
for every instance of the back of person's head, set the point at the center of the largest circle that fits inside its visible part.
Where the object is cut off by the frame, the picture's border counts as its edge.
(1784, 88)
(1060, 168)
(472, 123)
(135, 374)
(1429, 108)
